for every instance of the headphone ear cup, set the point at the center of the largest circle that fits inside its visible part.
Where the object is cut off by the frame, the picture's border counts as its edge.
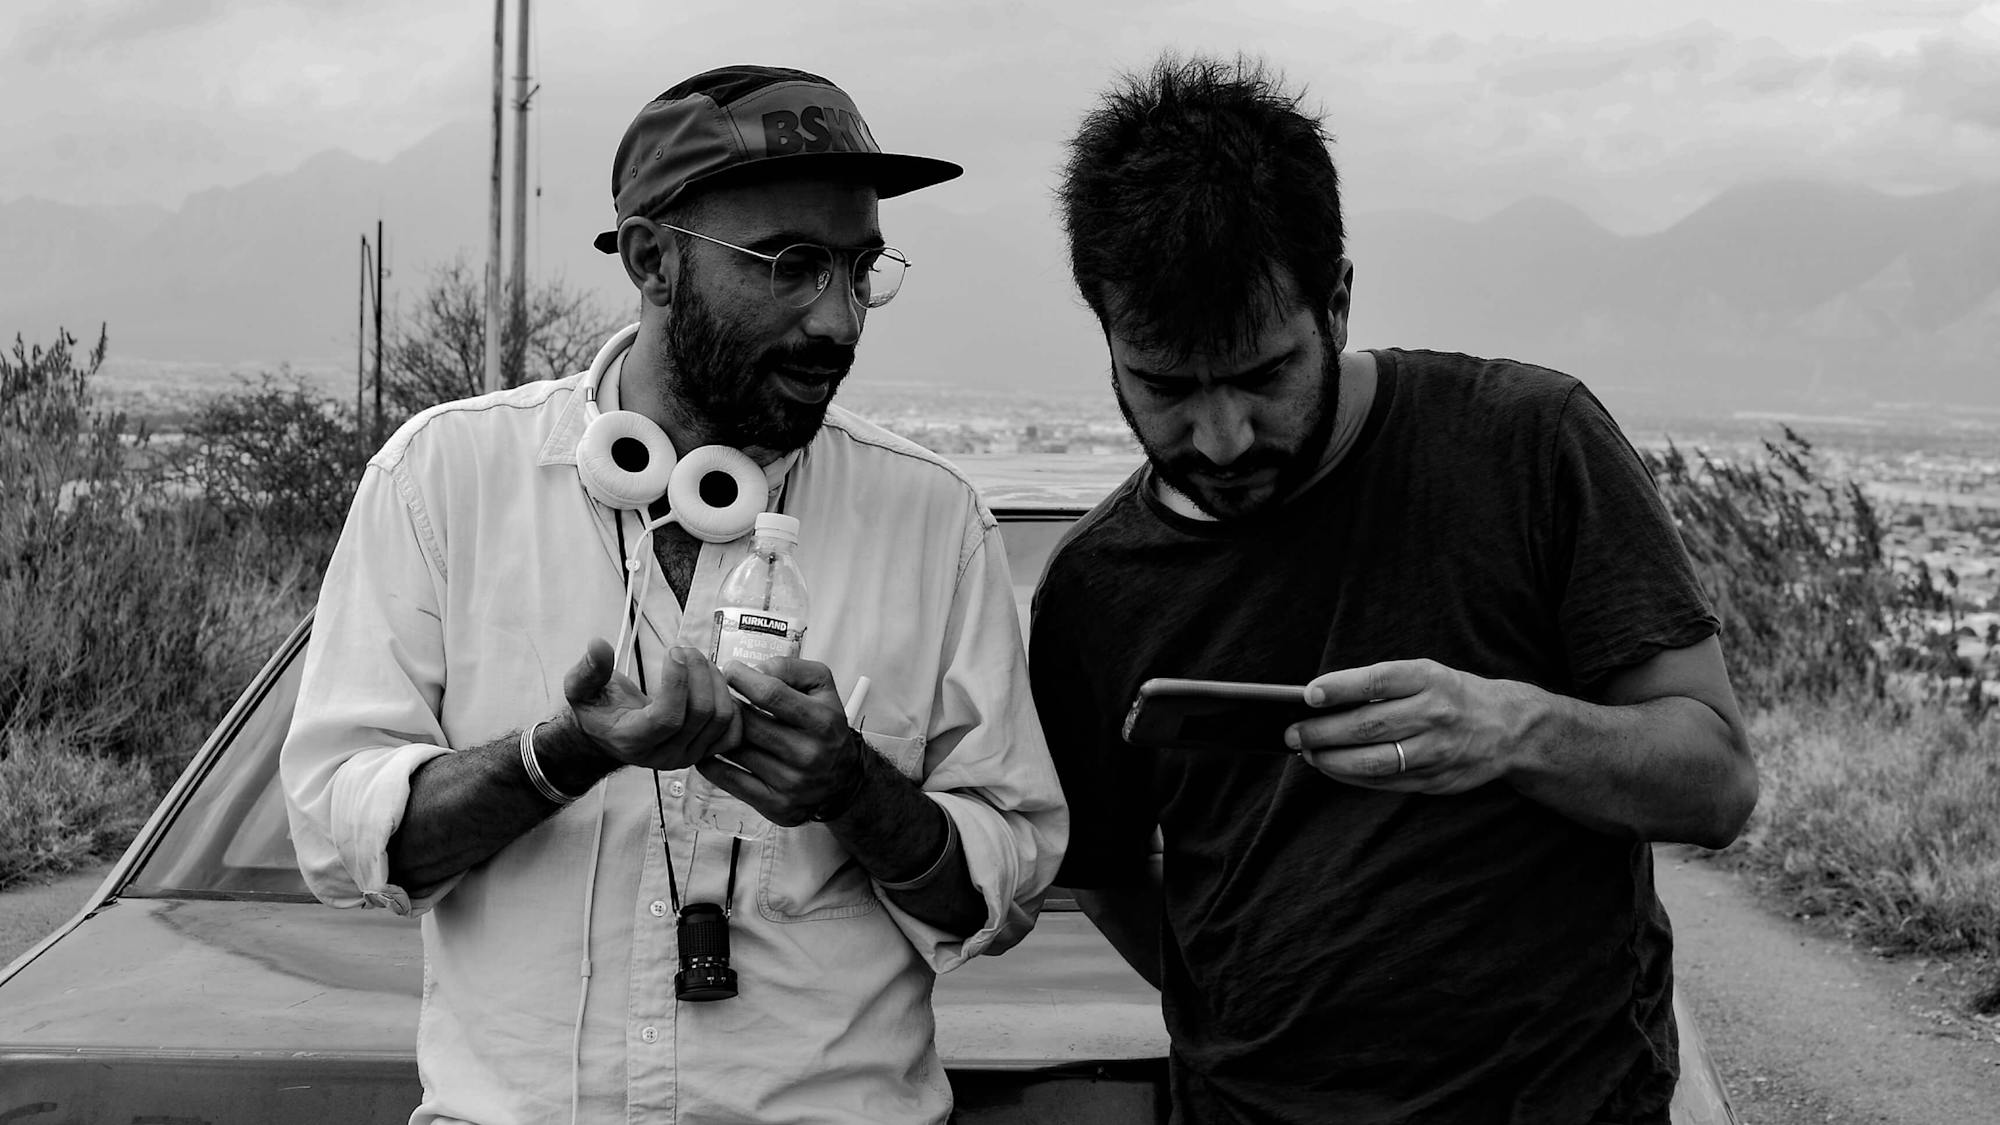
(712, 522)
(625, 460)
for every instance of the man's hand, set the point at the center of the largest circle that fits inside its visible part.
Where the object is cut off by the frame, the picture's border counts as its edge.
(797, 751)
(688, 716)
(1456, 731)
(1657, 753)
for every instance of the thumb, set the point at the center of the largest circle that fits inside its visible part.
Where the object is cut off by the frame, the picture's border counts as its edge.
(585, 680)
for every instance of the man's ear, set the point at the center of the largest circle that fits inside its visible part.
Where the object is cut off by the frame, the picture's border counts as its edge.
(1340, 304)
(650, 260)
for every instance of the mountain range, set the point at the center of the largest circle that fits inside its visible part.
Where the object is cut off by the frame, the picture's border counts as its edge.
(1774, 295)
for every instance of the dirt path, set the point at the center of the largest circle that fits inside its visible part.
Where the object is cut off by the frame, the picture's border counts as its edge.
(1807, 1028)
(29, 911)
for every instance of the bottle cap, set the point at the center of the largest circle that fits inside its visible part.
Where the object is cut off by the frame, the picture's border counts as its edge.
(778, 523)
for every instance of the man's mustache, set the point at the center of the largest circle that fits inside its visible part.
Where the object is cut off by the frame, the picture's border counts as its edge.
(821, 354)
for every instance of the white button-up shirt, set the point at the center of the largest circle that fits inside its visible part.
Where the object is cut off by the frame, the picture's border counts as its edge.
(471, 574)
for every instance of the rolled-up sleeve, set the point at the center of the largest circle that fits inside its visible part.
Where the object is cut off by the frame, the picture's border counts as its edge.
(366, 716)
(991, 770)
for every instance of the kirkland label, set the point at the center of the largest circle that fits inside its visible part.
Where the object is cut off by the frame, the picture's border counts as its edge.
(751, 637)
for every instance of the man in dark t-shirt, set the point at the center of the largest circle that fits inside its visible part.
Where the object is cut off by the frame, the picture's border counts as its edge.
(1433, 901)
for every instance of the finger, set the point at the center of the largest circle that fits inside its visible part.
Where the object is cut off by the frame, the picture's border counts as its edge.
(722, 727)
(699, 704)
(779, 698)
(808, 677)
(778, 740)
(1376, 766)
(751, 789)
(585, 680)
(667, 704)
(1346, 687)
(1361, 725)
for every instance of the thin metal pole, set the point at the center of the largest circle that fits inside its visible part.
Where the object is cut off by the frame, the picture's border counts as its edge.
(519, 289)
(360, 342)
(493, 233)
(381, 261)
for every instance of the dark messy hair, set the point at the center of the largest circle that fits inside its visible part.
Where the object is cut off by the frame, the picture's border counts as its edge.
(1190, 194)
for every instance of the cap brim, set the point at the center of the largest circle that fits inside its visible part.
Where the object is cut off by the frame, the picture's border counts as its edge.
(891, 173)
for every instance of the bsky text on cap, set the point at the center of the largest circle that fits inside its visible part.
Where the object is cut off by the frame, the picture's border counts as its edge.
(734, 122)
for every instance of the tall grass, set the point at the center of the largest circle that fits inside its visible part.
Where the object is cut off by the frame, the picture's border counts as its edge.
(133, 606)
(1879, 760)
(1889, 826)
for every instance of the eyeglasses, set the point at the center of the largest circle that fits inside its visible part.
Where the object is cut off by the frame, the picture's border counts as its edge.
(801, 272)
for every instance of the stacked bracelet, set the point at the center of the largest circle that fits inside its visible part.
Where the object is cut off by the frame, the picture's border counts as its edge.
(936, 868)
(533, 766)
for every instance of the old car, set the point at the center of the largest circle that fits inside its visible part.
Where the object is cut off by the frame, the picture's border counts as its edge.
(202, 983)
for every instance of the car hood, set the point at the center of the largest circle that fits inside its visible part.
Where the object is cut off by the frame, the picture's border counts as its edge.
(198, 977)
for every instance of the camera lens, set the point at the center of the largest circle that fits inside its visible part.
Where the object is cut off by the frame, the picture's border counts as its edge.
(703, 932)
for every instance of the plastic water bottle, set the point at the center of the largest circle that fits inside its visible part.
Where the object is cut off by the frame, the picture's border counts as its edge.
(761, 609)
(760, 613)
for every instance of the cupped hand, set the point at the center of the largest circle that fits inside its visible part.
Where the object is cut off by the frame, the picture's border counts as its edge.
(686, 717)
(1414, 726)
(797, 751)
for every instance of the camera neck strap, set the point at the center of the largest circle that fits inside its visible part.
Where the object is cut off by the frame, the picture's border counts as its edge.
(666, 852)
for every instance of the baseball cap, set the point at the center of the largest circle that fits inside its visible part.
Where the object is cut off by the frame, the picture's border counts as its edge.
(734, 122)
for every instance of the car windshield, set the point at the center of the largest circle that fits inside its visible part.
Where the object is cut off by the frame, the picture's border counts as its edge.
(230, 837)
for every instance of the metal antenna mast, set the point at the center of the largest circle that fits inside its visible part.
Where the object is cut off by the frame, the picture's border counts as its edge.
(493, 241)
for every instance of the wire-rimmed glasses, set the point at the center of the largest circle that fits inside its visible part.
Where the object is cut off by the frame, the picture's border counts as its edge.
(801, 272)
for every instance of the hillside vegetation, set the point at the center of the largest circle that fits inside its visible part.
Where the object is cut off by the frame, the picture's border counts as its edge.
(1879, 758)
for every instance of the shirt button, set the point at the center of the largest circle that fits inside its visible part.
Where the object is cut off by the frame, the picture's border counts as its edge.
(677, 788)
(650, 1034)
(658, 908)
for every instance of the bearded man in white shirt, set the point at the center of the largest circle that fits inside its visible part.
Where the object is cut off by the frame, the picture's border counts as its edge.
(468, 747)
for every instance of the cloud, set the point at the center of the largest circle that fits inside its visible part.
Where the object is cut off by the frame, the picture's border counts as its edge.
(65, 30)
(1957, 79)
(1625, 107)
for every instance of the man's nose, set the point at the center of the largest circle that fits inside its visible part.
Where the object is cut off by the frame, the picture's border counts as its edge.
(1222, 430)
(834, 315)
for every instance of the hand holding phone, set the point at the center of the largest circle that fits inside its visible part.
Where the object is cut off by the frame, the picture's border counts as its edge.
(1180, 714)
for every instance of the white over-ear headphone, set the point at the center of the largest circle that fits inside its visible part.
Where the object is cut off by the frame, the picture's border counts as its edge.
(626, 462)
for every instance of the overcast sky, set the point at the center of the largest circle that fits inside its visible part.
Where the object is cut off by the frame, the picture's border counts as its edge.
(1636, 111)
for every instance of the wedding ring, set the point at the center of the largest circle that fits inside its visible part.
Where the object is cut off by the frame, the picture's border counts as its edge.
(1402, 763)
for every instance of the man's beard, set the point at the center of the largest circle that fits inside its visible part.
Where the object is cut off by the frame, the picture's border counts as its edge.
(725, 385)
(1294, 466)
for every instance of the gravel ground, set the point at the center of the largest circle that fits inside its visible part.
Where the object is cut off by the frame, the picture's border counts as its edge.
(1807, 1028)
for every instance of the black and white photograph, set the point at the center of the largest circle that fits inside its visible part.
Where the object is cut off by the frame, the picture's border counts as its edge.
(1005, 563)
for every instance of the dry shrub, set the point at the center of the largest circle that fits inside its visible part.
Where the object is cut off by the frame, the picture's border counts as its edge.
(1889, 825)
(66, 806)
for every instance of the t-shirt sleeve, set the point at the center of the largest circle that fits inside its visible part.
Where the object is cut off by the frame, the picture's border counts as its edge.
(1111, 811)
(1625, 587)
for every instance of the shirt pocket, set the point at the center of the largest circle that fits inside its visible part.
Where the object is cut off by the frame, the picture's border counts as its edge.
(905, 753)
(807, 874)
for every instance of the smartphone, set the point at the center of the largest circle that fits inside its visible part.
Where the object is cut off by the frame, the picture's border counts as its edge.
(1172, 714)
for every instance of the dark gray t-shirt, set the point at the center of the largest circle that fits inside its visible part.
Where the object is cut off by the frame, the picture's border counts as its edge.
(1335, 953)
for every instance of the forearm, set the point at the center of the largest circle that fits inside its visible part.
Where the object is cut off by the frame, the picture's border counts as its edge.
(1666, 769)
(466, 806)
(897, 834)
(1129, 918)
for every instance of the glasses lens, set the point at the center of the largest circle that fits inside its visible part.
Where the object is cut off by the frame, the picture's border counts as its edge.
(877, 276)
(800, 274)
